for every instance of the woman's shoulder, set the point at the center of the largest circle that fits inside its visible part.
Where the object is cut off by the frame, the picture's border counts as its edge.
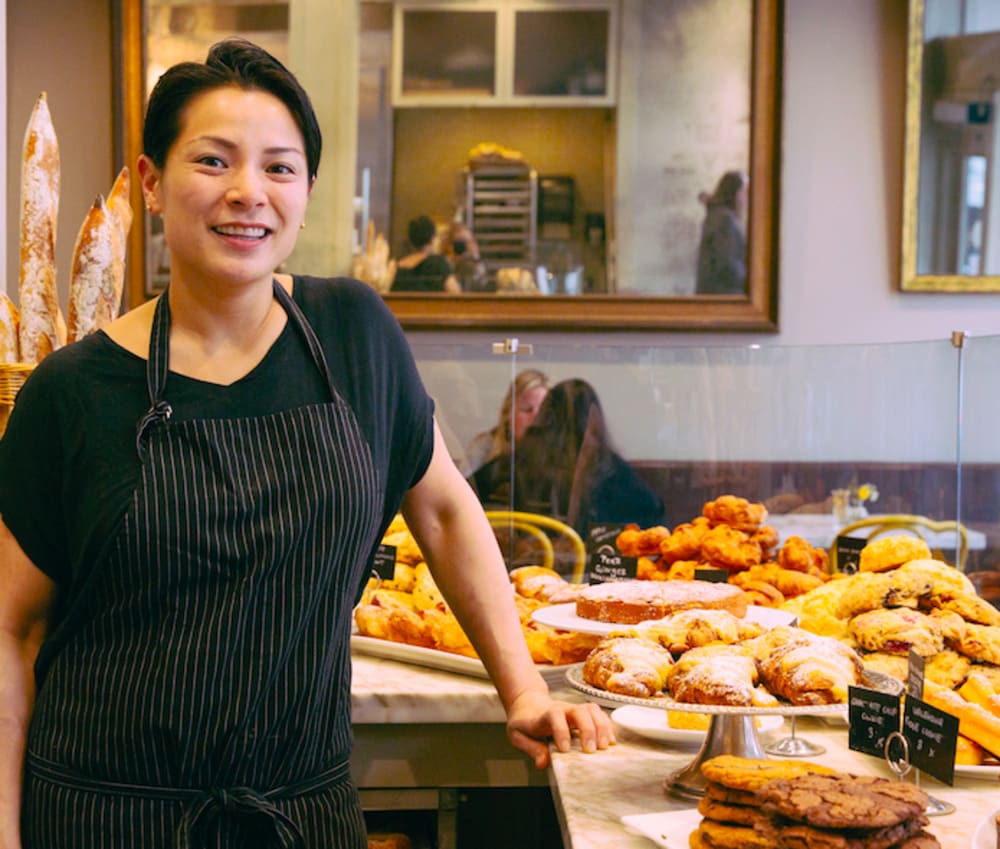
(323, 294)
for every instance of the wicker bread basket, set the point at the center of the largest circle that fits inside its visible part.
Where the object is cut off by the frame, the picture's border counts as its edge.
(12, 377)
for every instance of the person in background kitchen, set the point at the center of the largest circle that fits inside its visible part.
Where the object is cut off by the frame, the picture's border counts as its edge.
(424, 269)
(566, 467)
(518, 410)
(722, 251)
(191, 501)
(462, 251)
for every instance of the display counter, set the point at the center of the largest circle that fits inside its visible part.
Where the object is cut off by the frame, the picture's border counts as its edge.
(422, 735)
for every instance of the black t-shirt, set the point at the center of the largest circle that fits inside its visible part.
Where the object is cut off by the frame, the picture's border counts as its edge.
(68, 461)
(427, 276)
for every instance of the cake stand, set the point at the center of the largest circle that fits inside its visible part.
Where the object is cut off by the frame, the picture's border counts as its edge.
(731, 730)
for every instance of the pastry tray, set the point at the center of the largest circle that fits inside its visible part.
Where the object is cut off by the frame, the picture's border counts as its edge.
(871, 679)
(444, 661)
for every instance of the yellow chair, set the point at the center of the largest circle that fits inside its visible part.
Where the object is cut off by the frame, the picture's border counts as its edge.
(920, 526)
(535, 524)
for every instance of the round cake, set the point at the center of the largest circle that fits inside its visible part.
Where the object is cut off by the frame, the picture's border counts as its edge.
(629, 602)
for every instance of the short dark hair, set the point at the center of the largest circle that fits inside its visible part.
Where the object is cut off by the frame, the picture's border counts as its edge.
(231, 62)
(421, 231)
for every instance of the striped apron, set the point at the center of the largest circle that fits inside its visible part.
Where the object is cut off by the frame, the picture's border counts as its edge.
(204, 697)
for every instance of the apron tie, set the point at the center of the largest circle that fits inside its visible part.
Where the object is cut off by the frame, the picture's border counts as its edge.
(238, 800)
(203, 805)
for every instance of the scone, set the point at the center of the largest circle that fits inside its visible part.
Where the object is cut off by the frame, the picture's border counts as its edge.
(872, 590)
(889, 552)
(629, 666)
(896, 631)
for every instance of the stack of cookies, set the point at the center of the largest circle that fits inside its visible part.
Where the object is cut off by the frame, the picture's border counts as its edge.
(730, 807)
(784, 804)
(843, 812)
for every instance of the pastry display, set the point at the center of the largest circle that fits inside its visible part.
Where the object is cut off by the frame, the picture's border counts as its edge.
(629, 602)
(409, 608)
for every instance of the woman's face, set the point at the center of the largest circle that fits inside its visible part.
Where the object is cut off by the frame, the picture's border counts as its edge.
(526, 408)
(234, 188)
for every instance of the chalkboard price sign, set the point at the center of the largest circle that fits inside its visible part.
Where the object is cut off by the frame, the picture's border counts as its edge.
(607, 563)
(932, 735)
(873, 716)
(849, 554)
(385, 562)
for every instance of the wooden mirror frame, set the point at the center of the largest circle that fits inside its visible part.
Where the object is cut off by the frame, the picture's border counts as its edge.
(910, 279)
(755, 312)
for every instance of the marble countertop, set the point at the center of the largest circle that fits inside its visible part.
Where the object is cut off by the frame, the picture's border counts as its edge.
(593, 792)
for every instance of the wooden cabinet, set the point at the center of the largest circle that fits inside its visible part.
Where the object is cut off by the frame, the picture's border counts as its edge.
(505, 54)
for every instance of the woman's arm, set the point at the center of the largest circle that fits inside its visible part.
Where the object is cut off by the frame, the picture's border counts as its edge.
(455, 537)
(24, 609)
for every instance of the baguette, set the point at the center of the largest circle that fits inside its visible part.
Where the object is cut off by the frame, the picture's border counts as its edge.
(121, 213)
(9, 321)
(974, 721)
(41, 329)
(92, 303)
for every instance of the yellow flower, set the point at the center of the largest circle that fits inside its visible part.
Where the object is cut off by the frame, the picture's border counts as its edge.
(867, 492)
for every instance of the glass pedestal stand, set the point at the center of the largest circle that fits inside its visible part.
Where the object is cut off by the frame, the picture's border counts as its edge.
(794, 747)
(728, 734)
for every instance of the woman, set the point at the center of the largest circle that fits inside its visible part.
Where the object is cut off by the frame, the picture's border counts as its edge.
(566, 467)
(424, 270)
(191, 502)
(722, 251)
(518, 410)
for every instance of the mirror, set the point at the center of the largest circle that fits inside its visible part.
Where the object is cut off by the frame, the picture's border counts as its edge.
(641, 176)
(951, 188)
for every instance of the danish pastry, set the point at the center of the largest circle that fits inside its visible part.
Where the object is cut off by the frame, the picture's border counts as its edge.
(718, 675)
(692, 628)
(629, 666)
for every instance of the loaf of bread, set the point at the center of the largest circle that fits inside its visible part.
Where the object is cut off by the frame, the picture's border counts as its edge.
(42, 329)
(9, 321)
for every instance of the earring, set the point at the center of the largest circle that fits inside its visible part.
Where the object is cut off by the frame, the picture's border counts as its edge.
(302, 226)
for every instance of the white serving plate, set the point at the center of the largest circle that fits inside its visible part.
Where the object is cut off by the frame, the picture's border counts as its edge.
(445, 661)
(651, 723)
(985, 836)
(669, 829)
(990, 772)
(563, 616)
